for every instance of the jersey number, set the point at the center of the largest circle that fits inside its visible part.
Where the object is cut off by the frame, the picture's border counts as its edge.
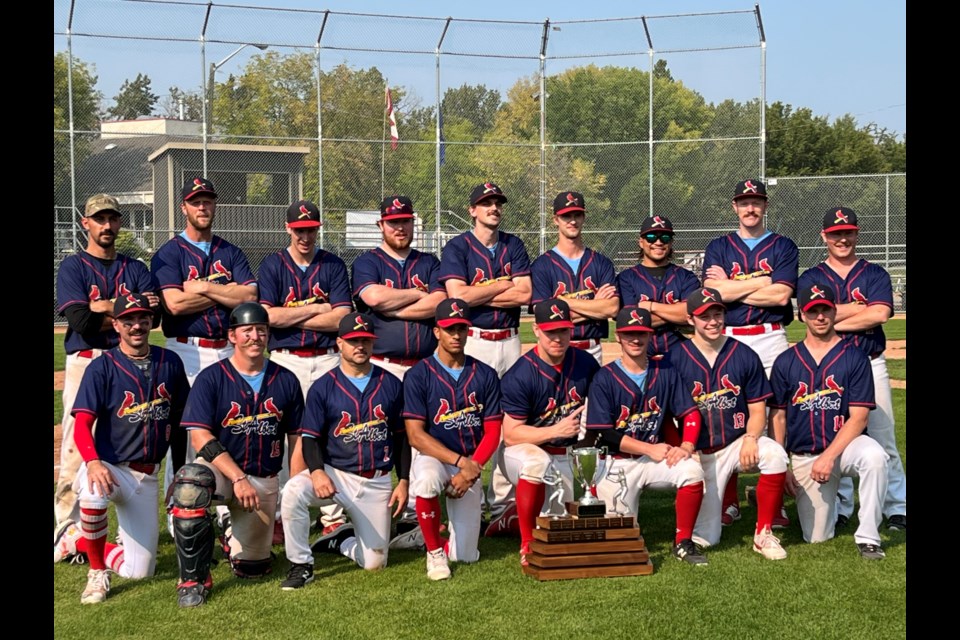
(837, 423)
(275, 449)
(738, 420)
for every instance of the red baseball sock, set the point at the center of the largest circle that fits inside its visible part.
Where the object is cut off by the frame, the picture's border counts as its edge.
(730, 496)
(529, 500)
(689, 498)
(93, 525)
(428, 515)
(769, 498)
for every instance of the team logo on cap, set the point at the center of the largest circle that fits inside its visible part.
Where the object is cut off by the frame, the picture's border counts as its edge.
(359, 323)
(707, 296)
(749, 187)
(156, 409)
(572, 200)
(130, 301)
(841, 217)
(555, 312)
(197, 184)
(395, 207)
(363, 431)
(489, 187)
(455, 310)
(635, 318)
(658, 222)
(817, 292)
(304, 212)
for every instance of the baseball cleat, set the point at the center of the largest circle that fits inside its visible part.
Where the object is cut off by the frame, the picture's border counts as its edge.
(65, 542)
(524, 552)
(897, 523)
(781, 521)
(331, 542)
(768, 545)
(437, 566)
(687, 551)
(193, 594)
(870, 551)
(507, 524)
(299, 576)
(98, 585)
(409, 536)
(330, 528)
(730, 515)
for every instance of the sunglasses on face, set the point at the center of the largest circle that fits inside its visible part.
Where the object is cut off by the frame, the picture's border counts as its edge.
(665, 238)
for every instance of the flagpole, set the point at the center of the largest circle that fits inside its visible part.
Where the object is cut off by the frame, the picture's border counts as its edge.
(383, 144)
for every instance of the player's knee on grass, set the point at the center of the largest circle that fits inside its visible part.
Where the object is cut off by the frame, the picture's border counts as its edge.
(251, 568)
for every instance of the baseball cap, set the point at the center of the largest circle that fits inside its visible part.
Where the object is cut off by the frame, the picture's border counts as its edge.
(356, 325)
(552, 314)
(633, 318)
(396, 208)
(486, 190)
(452, 311)
(750, 189)
(814, 294)
(131, 303)
(568, 201)
(702, 299)
(303, 214)
(840, 219)
(656, 223)
(196, 186)
(100, 202)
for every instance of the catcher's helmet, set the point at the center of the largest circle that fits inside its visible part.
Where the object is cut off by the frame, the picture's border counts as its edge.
(248, 313)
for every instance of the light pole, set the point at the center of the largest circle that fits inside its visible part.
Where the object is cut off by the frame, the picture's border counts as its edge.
(210, 82)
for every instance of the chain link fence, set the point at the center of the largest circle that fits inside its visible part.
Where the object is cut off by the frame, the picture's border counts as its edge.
(281, 103)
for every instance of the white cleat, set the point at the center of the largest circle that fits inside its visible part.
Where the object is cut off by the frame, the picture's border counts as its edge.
(768, 545)
(437, 566)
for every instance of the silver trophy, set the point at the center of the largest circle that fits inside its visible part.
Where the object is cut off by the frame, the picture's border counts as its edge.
(620, 478)
(553, 478)
(588, 469)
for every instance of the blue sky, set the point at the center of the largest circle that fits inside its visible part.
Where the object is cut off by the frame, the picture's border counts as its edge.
(833, 56)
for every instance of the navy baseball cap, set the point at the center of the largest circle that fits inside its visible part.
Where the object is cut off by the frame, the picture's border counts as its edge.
(131, 303)
(840, 219)
(552, 314)
(452, 311)
(750, 189)
(814, 294)
(656, 223)
(100, 202)
(568, 201)
(632, 318)
(303, 214)
(194, 187)
(485, 191)
(396, 208)
(702, 299)
(356, 325)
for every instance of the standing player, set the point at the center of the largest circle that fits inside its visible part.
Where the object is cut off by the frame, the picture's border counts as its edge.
(136, 394)
(822, 393)
(580, 276)
(865, 302)
(725, 378)
(490, 271)
(543, 395)
(399, 287)
(755, 270)
(87, 284)
(352, 437)
(658, 285)
(452, 414)
(629, 399)
(239, 412)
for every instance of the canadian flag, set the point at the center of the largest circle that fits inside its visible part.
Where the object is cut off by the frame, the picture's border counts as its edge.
(394, 136)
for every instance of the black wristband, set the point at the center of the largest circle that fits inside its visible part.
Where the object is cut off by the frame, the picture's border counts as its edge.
(211, 450)
(312, 453)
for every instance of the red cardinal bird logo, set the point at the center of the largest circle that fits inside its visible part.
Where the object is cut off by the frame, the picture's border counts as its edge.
(766, 266)
(669, 299)
(193, 273)
(233, 413)
(319, 293)
(269, 405)
(652, 405)
(622, 418)
(418, 283)
(841, 217)
(857, 296)
(343, 424)
(128, 401)
(697, 389)
(736, 269)
(379, 414)
(659, 222)
(443, 410)
(94, 293)
(560, 290)
(588, 283)
(572, 200)
(831, 384)
(729, 386)
(817, 292)
(555, 312)
(122, 290)
(162, 391)
(291, 297)
(574, 395)
(304, 212)
(222, 270)
(388, 283)
(478, 276)
(802, 391)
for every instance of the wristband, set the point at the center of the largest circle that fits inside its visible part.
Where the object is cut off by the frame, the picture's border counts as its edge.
(749, 435)
(243, 477)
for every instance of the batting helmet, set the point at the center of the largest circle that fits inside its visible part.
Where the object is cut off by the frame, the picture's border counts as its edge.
(248, 313)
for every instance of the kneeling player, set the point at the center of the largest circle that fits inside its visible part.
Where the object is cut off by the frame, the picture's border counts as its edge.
(452, 413)
(629, 399)
(725, 378)
(238, 414)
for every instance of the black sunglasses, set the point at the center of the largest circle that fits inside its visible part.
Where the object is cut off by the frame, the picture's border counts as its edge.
(665, 238)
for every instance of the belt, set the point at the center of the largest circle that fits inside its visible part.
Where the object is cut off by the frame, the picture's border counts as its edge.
(875, 355)
(206, 343)
(554, 451)
(309, 353)
(483, 334)
(403, 362)
(368, 474)
(755, 329)
(86, 353)
(585, 344)
(143, 467)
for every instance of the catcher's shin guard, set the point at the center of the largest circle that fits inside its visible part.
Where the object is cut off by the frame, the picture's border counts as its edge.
(193, 531)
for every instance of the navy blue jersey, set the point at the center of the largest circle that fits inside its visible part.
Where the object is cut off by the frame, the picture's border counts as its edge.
(866, 284)
(453, 410)
(617, 402)
(83, 279)
(252, 427)
(283, 284)
(178, 261)
(465, 258)
(542, 395)
(355, 429)
(412, 339)
(775, 256)
(817, 398)
(553, 278)
(135, 414)
(636, 284)
(723, 391)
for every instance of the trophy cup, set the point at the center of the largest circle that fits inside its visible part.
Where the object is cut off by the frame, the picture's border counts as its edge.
(588, 469)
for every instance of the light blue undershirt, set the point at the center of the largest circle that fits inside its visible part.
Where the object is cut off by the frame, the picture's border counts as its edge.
(753, 242)
(573, 263)
(202, 245)
(360, 383)
(255, 381)
(638, 378)
(454, 373)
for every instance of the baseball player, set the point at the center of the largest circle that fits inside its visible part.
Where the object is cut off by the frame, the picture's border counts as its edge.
(136, 394)
(629, 399)
(726, 379)
(306, 294)
(399, 287)
(577, 274)
(755, 270)
(452, 415)
(658, 285)
(543, 395)
(490, 271)
(352, 436)
(864, 303)
(822, 393)
(88, 282)
(239, 412)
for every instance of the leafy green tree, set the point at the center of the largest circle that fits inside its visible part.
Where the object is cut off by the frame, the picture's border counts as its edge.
(86, 106)
(135, 99)
(474, 103)
(192, 104)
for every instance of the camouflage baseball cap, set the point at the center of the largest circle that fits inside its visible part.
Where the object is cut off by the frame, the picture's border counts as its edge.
(100, 202)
